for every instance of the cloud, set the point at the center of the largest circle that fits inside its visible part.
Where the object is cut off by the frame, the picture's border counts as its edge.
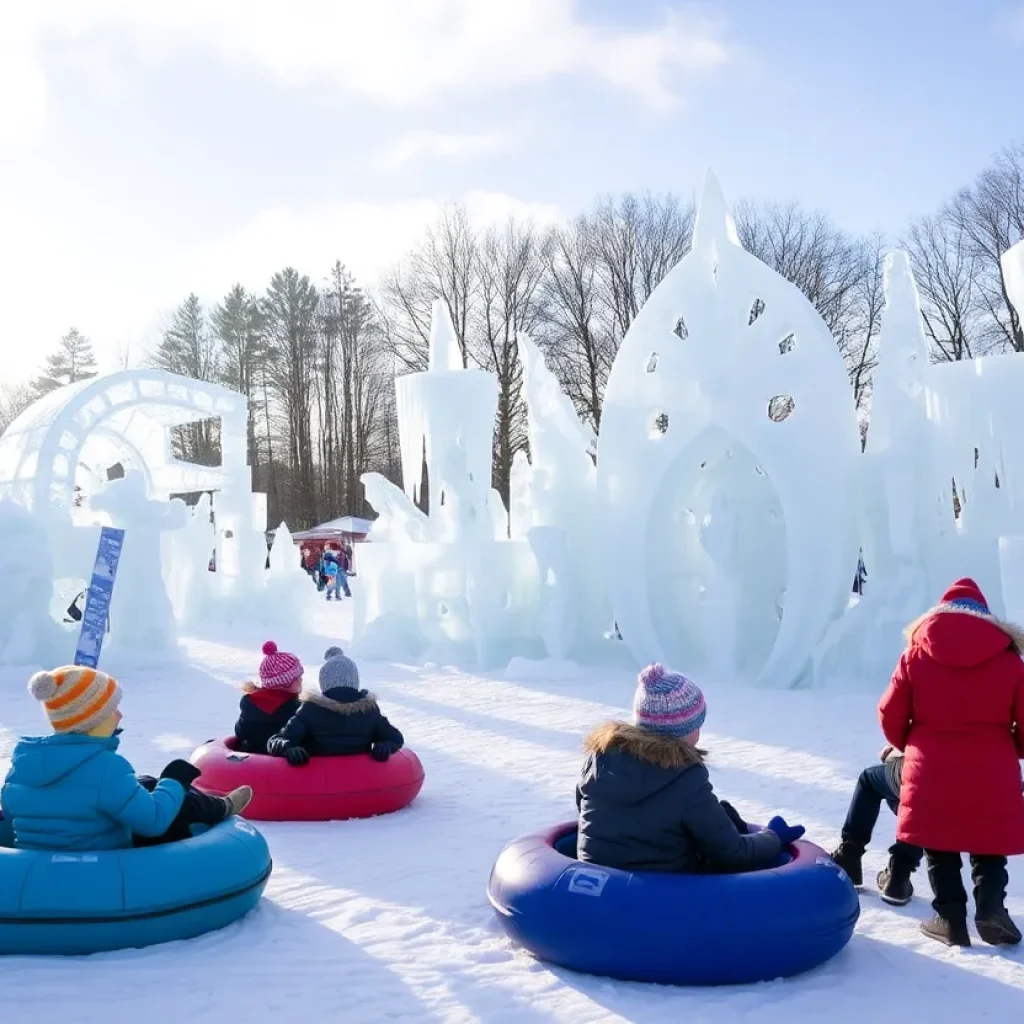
(420, 145)
(119, 300)
(368, 237)
(396, 52)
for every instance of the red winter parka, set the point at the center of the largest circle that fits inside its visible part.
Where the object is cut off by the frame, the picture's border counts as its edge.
(955, 706)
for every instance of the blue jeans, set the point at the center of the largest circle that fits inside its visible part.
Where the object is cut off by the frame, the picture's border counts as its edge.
(339, 583)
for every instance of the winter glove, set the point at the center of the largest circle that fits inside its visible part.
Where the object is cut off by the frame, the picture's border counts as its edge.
(787, 833)
(382, 750)
(278, 746)
(887, 751)
(181, 772)
(297, 756)
(734, 817)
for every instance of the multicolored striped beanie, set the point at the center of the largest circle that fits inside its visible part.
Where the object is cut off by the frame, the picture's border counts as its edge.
(668, 702)
(76, 698)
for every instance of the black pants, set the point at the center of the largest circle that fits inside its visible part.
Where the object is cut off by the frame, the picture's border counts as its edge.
(196, 809)
(987, 872)
(874, 786)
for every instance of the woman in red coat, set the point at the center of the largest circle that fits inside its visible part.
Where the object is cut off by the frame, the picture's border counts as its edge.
(955, 706)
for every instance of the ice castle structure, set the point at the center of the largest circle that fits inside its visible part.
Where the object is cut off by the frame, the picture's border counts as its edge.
(98, 452)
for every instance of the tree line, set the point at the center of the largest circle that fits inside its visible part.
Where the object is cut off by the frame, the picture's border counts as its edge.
(316, 360)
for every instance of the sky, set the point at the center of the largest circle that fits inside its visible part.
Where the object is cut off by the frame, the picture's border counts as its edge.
(148, 150)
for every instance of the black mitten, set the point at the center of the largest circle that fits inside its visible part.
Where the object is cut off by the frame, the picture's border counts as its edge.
(181, 772)
(297, 756)
(734, 817)
(277, 746)
(382, 751)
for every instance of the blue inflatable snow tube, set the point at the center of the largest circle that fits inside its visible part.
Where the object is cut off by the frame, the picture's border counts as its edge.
(672, 928)
(73, 903)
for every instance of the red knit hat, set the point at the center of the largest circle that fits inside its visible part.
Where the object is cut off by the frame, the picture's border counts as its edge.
(279, 670)
(967, 595)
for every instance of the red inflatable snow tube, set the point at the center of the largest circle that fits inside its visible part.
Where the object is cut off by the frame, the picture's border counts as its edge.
(326, 789)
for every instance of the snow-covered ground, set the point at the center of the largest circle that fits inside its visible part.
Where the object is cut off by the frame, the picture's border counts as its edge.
(387, 920)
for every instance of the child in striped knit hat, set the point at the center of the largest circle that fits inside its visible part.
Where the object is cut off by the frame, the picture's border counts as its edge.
(73, 791)
(645, 800)
(266, 709)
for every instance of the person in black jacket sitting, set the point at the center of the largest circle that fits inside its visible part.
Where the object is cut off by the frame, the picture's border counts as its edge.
(266, 709)
(341, 719)
(645, 800)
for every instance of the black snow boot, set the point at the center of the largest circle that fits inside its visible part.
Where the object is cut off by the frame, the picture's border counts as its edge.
(994, 924)
(947, 931)
(848, 855)
(997, 928)
(894, 885)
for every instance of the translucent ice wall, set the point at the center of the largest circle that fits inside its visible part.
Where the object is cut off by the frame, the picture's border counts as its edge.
(727, 467)
(898, 477)
(443, 408)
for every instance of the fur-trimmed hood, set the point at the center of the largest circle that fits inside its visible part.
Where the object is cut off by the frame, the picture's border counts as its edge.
(654, 748)
(347, 701)
(962, 637)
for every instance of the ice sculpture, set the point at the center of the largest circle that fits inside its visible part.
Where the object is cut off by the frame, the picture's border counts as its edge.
(64, 448)
(728, 421)
(448, 585)
(187, 555)
(142, 621)
(446, 406)
(28, 635)
(900, 525)
(555, 508)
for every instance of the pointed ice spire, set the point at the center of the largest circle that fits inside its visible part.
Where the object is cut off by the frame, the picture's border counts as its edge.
(445, 353)
(714, 226)
(902, 327)
(1013, 274)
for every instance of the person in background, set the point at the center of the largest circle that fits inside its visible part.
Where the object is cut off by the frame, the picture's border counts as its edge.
(340, 719)
(955, 707)
(73, 791)
(265, 709)
(332, 573)
(644, 797)
(877, 783)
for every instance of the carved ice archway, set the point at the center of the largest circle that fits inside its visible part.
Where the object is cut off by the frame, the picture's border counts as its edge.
(40, 452)
(726, 342)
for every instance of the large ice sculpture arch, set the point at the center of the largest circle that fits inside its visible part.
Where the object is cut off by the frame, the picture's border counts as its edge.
(74, 444)
(727, 464)
(125, 418)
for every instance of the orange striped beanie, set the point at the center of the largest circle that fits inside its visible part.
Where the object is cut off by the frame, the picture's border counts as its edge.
(76, 698)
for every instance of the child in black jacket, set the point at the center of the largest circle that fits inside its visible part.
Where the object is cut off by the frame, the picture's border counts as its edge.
(645, 799)
(265, 709)
(341, 719)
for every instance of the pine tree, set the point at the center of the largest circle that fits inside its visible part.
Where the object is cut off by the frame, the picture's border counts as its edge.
(238, 327)
(72, 361)
(188, 348)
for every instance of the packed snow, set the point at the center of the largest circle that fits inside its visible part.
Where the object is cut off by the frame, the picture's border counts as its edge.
(387, 919)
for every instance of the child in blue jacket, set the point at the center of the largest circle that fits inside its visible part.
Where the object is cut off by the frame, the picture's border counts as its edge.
(73, 791)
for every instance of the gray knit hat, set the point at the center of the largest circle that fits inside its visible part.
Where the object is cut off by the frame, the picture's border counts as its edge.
(337, 670)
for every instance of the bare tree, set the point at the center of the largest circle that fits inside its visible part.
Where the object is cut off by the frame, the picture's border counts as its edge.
(944, 266)
(14, 400)
(444, 266)
(636, 240)
(991, 216)
(512, 263)
(579, 343)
